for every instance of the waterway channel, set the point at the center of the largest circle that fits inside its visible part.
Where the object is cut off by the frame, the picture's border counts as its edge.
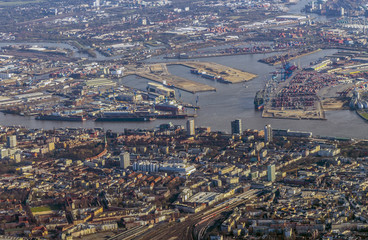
(229, 102)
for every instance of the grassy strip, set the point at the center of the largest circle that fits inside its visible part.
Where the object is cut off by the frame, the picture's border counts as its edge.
(14, 3)
(44, 208)
(363, 114)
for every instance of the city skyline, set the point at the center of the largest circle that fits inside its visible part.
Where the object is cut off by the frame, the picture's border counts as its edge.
(183, 120)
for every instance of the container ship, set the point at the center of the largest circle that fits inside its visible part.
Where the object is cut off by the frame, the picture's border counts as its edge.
(125, 116)
(59, 117)
(259, 100)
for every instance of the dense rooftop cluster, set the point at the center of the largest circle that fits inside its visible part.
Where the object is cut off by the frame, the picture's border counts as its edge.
(66, 183)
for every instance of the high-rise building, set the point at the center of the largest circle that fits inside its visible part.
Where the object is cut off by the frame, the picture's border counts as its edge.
(271, 173)
(124, 160)
(144, 21)
(11, 141)
(190, 127)
(236, 126)
(268, 133)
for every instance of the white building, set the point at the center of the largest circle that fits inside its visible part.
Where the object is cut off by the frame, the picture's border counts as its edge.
(271, 173)
(124, 160)
(190, 127)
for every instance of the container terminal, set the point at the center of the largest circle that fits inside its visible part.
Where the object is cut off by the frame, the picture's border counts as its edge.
(332, 83)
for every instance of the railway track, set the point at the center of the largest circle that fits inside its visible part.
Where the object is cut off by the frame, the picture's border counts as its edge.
(129, 234)
(185, 230)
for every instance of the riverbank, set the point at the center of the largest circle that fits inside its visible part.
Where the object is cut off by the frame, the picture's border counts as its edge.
(294, 114)
(333, 104)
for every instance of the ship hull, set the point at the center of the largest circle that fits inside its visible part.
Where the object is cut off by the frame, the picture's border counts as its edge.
(124, 119)
(172, 116)
(259, 101)
(61, 118)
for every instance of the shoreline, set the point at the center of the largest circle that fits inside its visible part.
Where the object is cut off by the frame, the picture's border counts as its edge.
(359, 112)
(294, 118)
(230, 74)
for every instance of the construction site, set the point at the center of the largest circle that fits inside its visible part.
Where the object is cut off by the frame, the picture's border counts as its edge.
(228, 74)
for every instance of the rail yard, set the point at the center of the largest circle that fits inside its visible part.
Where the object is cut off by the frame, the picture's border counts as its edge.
(194, 226)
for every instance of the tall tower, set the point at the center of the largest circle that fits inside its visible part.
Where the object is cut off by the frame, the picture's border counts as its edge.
(190, 127)
(124, 160)
(236, 126)
(11, 141)
(271, 173)
(268, 133)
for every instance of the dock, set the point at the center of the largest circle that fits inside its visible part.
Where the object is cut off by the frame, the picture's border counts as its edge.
(158, 72)
(230, 74)
(177, 82)
(276, 60)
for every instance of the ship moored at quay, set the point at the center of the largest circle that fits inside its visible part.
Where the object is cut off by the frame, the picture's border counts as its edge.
(125, 116)
(141, 116)
(209, 76)
(60, 117)
(259, 100)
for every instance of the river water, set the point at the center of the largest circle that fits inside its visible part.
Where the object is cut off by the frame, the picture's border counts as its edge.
(229, 102)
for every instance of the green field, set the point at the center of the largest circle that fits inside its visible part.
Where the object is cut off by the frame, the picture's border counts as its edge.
(20, 2)
(363, 114)
(44, 208)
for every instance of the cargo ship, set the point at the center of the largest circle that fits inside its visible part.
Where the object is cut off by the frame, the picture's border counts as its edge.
(124, 116)
(209, 76)
(259, 100)
(195, 71)
(169, 107)
(59, 117)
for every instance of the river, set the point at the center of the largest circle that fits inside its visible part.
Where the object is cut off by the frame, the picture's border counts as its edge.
(229, 102)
